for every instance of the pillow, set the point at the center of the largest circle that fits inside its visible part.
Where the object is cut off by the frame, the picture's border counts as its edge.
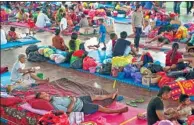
(41, 104)
(10, 101)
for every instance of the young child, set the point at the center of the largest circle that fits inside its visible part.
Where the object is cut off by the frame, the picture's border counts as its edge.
(102, 34)
(146, 28)
(185, 108)
(31, 24)
(12, 36)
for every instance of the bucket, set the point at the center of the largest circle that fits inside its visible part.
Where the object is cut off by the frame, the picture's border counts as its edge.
(40, 75)
(92, 69)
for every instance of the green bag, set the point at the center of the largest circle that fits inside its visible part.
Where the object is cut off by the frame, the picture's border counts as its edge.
(40, 75)
(73, 58)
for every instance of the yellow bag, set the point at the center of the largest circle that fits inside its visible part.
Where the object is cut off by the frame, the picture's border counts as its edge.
(121, 61)
(184, 31)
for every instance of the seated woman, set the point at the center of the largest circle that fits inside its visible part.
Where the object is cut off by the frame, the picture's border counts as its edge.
(42, 19)
(173, 55)
(59, 15)
(23, 76)
(12, 36)
(20, 16)
(3, 36)
(58, 41)
(164, 37)
(122, 46)
(74, 43)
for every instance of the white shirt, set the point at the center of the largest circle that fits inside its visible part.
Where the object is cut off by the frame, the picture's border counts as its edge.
(3, 37)
(147, 30)
(15, 75)
(42, 19)
(64, 23)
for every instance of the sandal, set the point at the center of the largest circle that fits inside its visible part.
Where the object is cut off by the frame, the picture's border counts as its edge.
(130, 103)
(138, 100)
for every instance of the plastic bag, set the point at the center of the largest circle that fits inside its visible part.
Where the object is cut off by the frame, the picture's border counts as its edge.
(54, 118)
(73, 58)
(78, 53)
(47, 52)
(121, 61)
(77, 64)
(88, 62)
(60, 59)
(106, 69)
(137, 76)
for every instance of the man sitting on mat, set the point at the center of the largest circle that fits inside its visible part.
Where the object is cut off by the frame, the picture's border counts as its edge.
(155, 109)
(81, 104)
(24, 77)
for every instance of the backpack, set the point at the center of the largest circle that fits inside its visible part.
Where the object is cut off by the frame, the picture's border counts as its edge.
(77, 64)
(36, 57)
(154, 68)
(31, 48)
(147, 58)
(106, 69)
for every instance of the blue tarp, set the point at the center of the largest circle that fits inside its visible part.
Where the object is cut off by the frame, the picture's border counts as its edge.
(19, 43)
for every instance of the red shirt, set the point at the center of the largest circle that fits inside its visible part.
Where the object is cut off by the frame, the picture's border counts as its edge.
(31, 23)
(12, 35)
(177, 56)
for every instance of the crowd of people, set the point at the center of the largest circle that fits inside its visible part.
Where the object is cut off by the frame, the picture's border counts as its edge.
(72, 18)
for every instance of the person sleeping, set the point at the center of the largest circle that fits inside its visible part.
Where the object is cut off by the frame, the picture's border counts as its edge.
(84, 104)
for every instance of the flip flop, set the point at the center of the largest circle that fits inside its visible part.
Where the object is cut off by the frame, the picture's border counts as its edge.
(131, 104)
(141, 100)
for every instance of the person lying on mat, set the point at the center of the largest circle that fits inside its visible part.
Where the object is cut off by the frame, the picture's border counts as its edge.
(3, 36)
(12, 35)
(164, 37)
(20, 74)
(155, 109)
(58, 41)
(81, 104)
(74, 43)
(122, 46)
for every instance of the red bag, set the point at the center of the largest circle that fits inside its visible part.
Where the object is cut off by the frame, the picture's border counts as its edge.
(165, 80)
(89, 62)
(4, 69)
(190, 120)
(78, 53)
(54, 118)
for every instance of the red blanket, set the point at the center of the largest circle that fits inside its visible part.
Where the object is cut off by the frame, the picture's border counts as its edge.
(4, 69)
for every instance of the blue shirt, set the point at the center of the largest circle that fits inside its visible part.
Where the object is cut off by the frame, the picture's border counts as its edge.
(102, 32)
(62, 103)
(102, 29)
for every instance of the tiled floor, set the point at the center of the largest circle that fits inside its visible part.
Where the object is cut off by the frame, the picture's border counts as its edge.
(54, 72)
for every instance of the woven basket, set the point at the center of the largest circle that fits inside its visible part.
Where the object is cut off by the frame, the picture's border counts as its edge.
(152, 79)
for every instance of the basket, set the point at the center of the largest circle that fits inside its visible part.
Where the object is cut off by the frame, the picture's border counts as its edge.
(152, 79)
